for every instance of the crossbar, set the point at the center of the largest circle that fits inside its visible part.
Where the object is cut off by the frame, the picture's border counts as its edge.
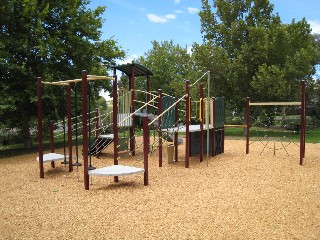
(275, 103)
(90, 78)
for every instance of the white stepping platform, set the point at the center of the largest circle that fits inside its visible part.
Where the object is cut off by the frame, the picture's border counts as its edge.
(48, 157)
(108, 136)
(115, 170)
(192, 128)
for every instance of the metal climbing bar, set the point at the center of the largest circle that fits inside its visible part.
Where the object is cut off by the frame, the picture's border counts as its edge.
(152, 100)
(160, 115)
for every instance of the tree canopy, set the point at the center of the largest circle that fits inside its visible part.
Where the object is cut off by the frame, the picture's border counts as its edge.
(170, 64)
(252, 53)
(55, 40)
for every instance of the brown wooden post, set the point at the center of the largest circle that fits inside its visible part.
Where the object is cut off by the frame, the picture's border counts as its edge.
(248, 124)
(115, 121)
(187, 150)
(148, 100)
(148, 92)
(131, 88)
(160, 125)
(85, 128)
(224, 109)
(145, 150)
(40, 129)
(69, 127)
(201, 122)
(52, 141)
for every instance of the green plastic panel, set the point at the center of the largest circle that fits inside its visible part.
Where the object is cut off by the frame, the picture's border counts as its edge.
(219, 112)
(168, 119)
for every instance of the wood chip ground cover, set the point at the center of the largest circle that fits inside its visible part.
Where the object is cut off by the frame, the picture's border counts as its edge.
(230, 196)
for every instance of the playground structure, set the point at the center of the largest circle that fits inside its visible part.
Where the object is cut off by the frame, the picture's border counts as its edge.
(300, 127)
(126, 118)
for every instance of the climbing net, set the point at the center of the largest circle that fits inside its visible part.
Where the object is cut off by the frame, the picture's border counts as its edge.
(275, 125)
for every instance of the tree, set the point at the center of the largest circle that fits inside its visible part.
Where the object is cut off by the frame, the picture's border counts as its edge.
(171, 66)
(259, 52)
(53, 39)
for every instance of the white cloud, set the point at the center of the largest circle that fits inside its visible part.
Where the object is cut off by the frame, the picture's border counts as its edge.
(129, 59)
(177, 1)
(192, 10)
(189, 50)
(315, 25)
(160, 19)
(155, 18)
(170, 16)
(178, 11)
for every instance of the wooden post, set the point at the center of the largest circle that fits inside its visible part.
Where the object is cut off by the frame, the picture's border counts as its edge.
(148, 100)
(69, 127)
(187, 125)
(145, 150)
(148, 92)
(131, 88)
(40, 130)
(160, 126)
(85, 128)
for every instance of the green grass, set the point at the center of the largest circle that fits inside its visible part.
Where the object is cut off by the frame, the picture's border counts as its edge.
(312, 136)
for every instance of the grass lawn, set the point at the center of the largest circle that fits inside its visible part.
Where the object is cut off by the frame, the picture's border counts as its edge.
(312, 136)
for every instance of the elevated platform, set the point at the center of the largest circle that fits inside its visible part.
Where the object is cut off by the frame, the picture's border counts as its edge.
(108, 136)
(115, 170)
(49, 157)
(192, 128)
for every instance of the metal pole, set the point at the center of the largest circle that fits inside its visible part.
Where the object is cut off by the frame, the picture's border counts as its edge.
(145, 150)
(52, 141)
(97, 131)
(176, 133)
(187, 150)
(201, 122)
(115, 122)
(303, 123)
(76, 111)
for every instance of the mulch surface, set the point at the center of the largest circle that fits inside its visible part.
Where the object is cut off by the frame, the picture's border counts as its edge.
(230, 196)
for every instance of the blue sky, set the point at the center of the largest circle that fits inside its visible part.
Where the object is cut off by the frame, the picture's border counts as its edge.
(135, 23)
